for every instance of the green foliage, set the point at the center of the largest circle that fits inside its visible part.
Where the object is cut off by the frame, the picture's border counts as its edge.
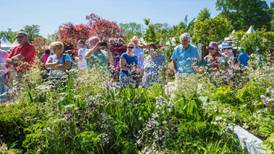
(251, 92)
(269, 144)
(243, 105)
(237, 37)
(261, 40)
(244, 13)
(32, 30)
(131, 29)
(214, 29)
(13, 119)
(150, 34)
(203, 14)
(225, 95)
(88, 118)
(9, 34)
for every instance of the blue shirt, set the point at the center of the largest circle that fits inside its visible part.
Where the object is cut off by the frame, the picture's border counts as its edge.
(243, 58)
(62, 60)
(140, 56)
(131, 60)
(184, 58)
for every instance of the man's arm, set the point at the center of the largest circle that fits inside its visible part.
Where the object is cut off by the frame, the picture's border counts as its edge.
(92, 50)
(174, 57)
(15, 59)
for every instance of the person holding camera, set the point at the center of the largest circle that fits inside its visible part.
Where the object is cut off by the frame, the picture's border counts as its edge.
(98, 56)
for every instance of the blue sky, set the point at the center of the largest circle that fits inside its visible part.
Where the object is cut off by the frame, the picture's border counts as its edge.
(49, 14)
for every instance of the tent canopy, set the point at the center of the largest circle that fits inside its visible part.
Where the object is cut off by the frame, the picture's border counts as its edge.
(250, 30)
(5, 43)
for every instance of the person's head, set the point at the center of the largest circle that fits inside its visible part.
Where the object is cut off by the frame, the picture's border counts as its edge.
(242, 49)
(47, 51)
(130, 48)
(57, 47)
(185, 39)
(213, 48)
(92, 41)
(22, 38)
(152, 49)
(103, 45)
(135, 40)
(228, 40)
(226, 47)
(81, 44)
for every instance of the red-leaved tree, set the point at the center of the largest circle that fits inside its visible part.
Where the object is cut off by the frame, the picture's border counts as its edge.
(70, 34)
(103, 28)
(96, 26)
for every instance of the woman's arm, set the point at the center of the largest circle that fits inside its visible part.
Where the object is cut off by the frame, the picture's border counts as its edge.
(64, 66)
(50, 65)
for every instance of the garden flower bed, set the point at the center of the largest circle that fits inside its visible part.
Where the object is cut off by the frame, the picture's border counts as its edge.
(191, 117)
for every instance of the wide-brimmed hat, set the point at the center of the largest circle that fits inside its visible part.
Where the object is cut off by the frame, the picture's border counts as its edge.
(226, 46)
(228, 39)
(213, 45)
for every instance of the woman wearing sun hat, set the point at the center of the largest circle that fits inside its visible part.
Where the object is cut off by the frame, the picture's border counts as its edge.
(228, 52)
(214, 59)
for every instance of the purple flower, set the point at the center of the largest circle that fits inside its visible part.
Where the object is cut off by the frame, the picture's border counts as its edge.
(262, 97)
(266, 101)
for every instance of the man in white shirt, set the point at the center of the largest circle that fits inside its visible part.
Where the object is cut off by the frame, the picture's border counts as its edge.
(82, 51)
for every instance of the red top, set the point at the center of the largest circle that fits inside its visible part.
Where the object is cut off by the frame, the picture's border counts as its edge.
(27, 51)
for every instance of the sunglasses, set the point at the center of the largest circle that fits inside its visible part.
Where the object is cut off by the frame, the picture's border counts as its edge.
(130, 47)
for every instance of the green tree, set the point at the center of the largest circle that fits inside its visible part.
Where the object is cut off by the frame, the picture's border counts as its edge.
(150, 33)
(203, 14)
(214, 29)
(9, 34)
(244, 13)
(32, 30)
(131, 29)
(272, 14)
(189, 25)
(52, 37)
(258, 40)
(161, 26)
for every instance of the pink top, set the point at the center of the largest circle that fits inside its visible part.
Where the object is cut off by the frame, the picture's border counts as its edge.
(45, 58)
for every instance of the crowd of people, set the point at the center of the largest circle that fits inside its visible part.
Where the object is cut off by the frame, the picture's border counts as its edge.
(128, 63)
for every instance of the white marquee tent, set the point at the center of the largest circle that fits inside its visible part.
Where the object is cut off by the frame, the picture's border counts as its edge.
(5, 44)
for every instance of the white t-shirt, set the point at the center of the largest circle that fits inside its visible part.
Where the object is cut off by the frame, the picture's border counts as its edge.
(82, 62)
